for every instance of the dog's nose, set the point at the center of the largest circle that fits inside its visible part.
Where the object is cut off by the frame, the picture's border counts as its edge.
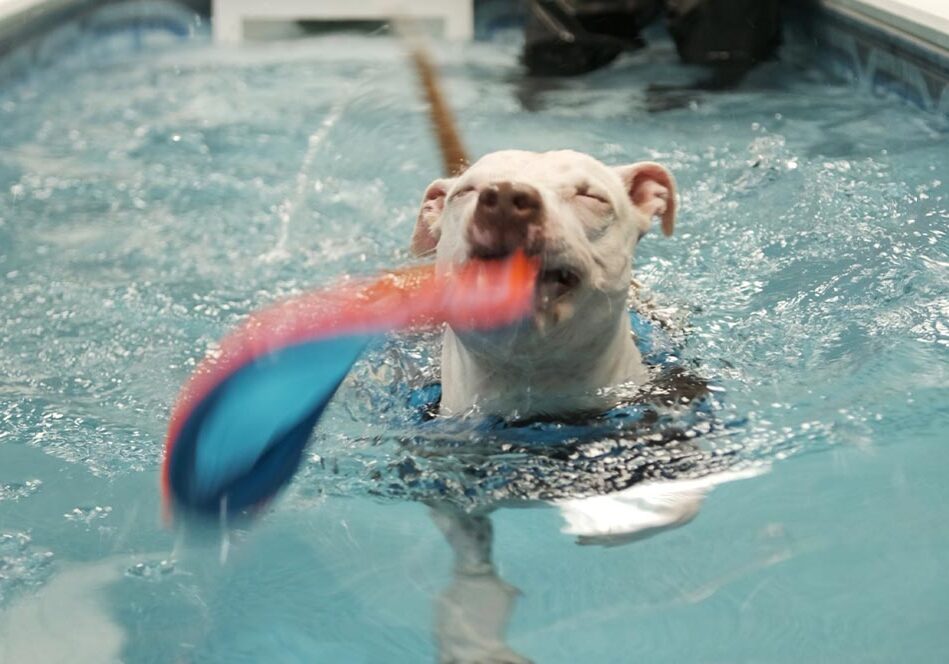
(505, 202)
(507, 217)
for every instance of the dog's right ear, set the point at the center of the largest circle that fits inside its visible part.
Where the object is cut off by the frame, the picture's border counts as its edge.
(427, 231)
(652, 190)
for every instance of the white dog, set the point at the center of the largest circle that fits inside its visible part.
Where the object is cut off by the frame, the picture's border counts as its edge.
(583, 220)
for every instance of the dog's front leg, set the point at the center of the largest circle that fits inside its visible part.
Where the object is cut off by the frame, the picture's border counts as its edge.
(471, 615)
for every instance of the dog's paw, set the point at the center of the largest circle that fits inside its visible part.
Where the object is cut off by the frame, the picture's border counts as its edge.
(642, 510)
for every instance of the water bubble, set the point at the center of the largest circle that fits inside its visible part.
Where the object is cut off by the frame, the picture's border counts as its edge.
(152, 570)
(18, 490)
(22, 564)
(88, 514)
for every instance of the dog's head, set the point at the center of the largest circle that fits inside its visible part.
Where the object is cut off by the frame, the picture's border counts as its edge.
(580, 217)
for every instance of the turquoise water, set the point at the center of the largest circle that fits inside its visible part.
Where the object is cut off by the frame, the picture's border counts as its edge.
(149, 200)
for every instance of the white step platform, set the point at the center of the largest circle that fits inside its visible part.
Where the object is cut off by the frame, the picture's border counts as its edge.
(229, 18)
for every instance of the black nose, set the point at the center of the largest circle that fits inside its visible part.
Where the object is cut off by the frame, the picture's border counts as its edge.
(508, 202)
(508, 216)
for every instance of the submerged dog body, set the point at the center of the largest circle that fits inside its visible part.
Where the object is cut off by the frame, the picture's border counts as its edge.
(582, 220)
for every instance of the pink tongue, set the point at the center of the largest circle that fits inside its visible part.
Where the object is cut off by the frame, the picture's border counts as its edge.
(488, 293)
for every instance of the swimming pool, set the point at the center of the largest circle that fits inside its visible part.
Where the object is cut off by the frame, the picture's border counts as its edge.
(153, 197)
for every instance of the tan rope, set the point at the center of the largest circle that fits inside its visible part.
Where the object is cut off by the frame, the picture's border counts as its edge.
(454, 157)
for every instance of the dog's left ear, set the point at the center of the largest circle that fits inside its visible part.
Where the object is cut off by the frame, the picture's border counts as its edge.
(426, 234)
(652, 190)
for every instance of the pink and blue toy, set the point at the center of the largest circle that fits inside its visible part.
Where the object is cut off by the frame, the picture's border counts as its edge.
(241, 422)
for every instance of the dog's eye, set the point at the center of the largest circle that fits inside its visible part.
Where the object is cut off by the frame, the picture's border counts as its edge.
(462, 192)
(591, 196)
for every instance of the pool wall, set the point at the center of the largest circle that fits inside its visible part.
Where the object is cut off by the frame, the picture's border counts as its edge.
(37, 33)
(883, 47)
(883, 53)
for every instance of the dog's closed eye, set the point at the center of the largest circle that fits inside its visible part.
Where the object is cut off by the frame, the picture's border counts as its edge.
(462, 192)
(591, 196)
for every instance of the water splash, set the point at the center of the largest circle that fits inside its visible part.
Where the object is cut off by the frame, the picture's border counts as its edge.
(286, 211)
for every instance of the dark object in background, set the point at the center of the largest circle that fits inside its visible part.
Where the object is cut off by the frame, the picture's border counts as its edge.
(570, 37)
(725, 32)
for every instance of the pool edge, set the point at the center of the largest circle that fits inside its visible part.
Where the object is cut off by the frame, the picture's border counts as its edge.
(878, 58)
(881, 59)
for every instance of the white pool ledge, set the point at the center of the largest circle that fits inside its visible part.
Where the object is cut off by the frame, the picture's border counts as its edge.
(14, 13)
(925, 21)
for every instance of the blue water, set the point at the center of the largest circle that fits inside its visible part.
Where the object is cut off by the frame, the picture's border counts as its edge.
(150, 200)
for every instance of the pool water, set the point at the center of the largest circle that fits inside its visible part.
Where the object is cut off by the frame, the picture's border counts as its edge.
(149, 200)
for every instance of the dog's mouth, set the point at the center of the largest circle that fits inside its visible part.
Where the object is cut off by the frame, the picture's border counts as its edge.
(554, 284)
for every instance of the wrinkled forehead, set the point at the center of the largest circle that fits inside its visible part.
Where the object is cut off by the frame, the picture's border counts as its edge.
(558, 169)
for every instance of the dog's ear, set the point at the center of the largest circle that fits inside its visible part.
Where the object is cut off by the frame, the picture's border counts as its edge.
(426, 234)
(652, 190)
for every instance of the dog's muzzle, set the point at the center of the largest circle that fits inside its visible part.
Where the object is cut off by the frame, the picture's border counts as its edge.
(508, 216)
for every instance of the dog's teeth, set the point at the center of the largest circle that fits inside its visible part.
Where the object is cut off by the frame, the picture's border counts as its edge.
(540, 322)
(562, 312)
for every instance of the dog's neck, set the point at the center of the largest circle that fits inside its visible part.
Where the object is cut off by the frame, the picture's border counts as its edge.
(571, 379)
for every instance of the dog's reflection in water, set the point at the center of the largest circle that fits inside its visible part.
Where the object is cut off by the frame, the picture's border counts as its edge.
(610, 491)
(472, 613)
